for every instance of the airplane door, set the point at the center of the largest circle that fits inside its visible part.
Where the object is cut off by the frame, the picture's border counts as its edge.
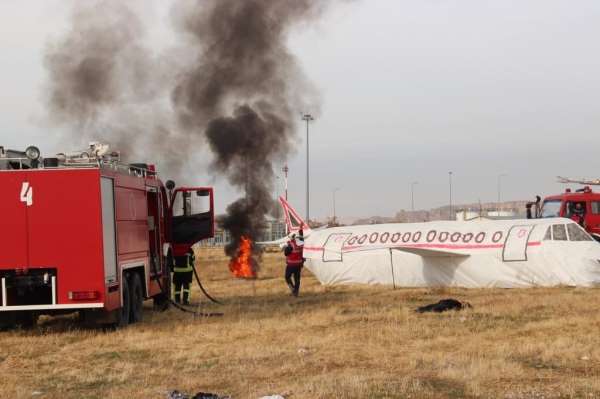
(515, 246)
(333, 247)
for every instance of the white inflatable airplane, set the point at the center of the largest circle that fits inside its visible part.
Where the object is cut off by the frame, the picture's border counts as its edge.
(508, 253)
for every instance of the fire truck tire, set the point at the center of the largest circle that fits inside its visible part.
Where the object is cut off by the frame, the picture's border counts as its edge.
(7, 320)
(26, 319)
(137, 299)
(124, 312)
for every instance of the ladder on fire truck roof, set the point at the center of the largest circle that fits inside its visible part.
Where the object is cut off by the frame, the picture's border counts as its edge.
(591, 182)
(97, 156)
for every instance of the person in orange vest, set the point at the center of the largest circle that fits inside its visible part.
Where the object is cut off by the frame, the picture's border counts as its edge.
(294, 262)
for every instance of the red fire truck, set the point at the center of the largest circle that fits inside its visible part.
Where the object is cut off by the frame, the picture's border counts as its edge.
(566, 205)
(85, 232)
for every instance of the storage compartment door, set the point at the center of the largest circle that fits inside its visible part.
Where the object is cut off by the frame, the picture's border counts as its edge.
(15, 197)
(64, 229)
(108, 229)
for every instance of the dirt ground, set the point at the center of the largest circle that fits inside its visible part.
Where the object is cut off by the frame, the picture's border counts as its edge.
(331, 342)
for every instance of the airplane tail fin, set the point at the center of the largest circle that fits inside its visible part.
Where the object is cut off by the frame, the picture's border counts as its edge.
(293, 220)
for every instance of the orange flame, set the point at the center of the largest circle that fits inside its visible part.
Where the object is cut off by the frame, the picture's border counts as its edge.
(241, 266)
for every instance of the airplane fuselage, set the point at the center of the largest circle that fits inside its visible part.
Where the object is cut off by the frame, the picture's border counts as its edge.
(514, 253)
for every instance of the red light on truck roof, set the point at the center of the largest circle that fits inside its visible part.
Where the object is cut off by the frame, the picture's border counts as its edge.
(568, 190)
(83, 295)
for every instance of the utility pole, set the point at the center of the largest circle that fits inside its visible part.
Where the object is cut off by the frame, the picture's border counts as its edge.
(285, 171)
(412, 195)
(500, 176)
(277, 187)
(450, 182)
(334, 191)
(308, 118)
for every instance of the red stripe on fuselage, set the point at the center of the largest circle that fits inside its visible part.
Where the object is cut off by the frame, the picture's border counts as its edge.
(433, 246)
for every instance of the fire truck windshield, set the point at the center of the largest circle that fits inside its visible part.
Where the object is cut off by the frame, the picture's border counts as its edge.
(551, 209)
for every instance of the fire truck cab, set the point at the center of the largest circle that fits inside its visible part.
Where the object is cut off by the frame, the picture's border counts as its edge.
(86, 232)
(565, 205)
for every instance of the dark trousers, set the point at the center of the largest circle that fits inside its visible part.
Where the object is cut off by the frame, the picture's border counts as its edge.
(292, 278)
(182, 281)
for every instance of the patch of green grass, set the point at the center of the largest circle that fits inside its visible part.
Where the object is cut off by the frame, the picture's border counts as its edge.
(131, 355)
(110, 356)
(447, 388)
(207, 364)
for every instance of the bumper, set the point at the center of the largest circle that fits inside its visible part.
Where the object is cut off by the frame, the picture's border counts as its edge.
(5, 307)
(52, 307)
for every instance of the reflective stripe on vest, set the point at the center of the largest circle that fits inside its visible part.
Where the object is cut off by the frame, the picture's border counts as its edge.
(186, 269)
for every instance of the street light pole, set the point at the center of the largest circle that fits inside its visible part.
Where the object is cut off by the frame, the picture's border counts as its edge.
(500, 176)
(308, 118)
(285, 171)
(334, 191)
(450, 182)
(412, 195)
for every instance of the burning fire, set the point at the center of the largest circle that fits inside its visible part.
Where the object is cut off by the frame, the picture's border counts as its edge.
(241, 266)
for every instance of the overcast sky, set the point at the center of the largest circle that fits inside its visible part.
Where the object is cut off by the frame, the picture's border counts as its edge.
(410, 91)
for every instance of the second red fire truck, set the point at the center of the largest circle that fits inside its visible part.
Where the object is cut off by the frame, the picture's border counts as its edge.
(86, 232)
(582, 205)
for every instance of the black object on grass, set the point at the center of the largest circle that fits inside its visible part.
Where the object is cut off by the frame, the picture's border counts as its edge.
(444, 305)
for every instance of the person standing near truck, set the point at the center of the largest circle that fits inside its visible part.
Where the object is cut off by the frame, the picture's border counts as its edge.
(578, 214)
(294, 261)
(182, 276)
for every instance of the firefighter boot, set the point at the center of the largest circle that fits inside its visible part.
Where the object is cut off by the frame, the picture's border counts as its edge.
(177, 293)
(186, 294)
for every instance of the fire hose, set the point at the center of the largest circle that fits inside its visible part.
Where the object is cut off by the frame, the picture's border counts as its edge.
(186, 310)
(202, 288)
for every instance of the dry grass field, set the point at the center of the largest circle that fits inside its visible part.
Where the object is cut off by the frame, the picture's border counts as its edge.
(341, 342)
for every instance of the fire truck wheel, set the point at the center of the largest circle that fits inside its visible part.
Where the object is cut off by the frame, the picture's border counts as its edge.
(123, 313)
(137, 299)
(26, 319)
(7, 321)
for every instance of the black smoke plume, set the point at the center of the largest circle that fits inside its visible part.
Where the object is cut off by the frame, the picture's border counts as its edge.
(105, 83)
(236, 88)
(242, 93)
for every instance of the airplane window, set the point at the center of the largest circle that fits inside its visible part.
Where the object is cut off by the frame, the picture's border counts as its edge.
(548, 235)
(576, 233)
(595, 207)
(559, 232)
(551, 209)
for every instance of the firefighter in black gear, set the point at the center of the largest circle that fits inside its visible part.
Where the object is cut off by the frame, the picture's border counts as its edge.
(578, 214)
(182, 276)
